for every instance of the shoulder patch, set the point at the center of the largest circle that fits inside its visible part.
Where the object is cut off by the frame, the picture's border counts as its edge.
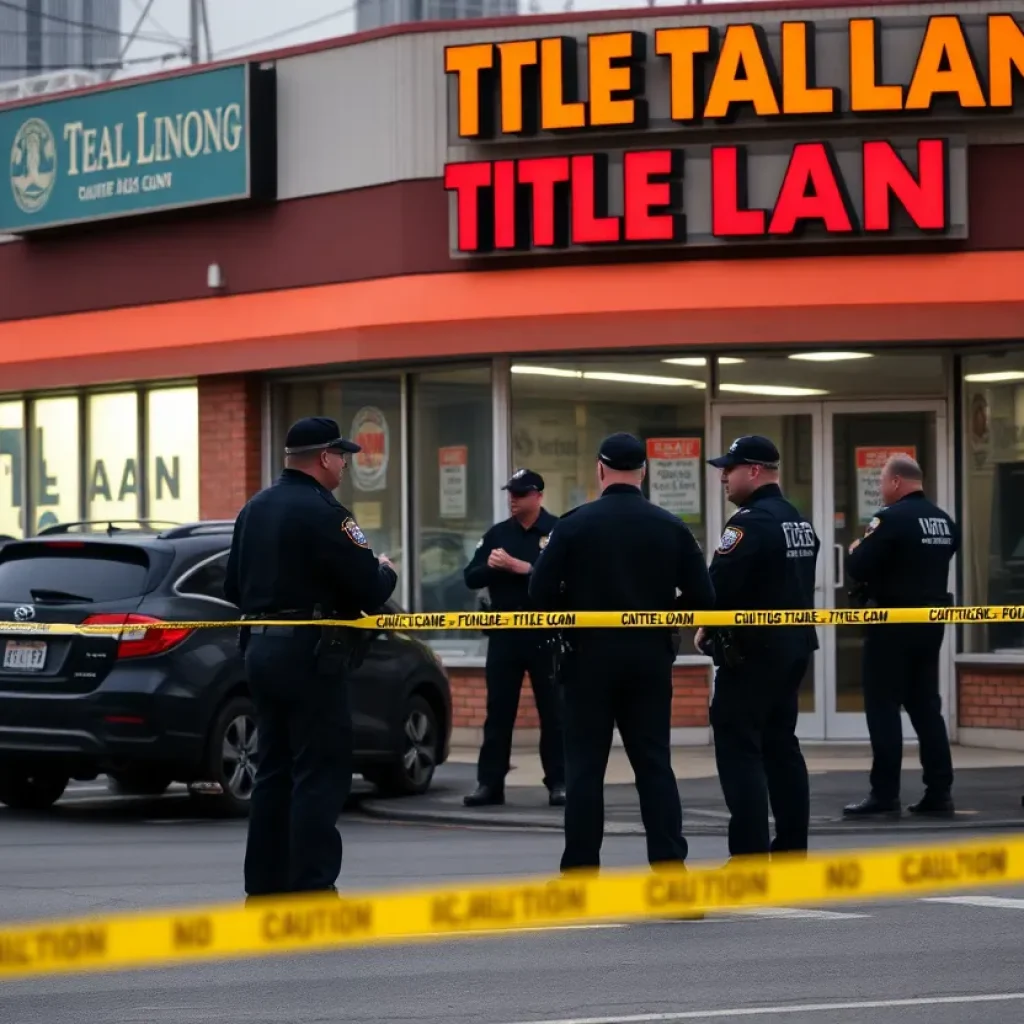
(351, 528)
(872, 526)
(731, 536)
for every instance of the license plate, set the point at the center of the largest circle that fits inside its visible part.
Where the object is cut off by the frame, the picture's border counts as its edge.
(25, 655)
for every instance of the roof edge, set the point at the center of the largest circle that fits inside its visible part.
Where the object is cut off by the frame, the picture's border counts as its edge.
(692, 11)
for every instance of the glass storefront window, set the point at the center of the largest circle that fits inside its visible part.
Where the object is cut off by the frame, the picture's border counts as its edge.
(172, 454)
(56, 471)
(453, 468)
(369, 411)
(832, 373)
(993, 494)
(112, 474)
(12, 455)
(563, 408)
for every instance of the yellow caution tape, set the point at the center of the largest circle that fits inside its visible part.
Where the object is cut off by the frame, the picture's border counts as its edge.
(407, 622)
(303, 925)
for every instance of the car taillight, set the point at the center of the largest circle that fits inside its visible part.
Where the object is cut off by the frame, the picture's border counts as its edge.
(136, 640)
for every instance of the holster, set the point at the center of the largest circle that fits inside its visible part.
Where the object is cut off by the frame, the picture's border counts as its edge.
(724, 648)
(244, 633)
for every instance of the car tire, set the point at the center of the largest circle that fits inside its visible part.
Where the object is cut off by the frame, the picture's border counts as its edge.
(138, 782)
(230, 760)
(411, 769)
(24, 790)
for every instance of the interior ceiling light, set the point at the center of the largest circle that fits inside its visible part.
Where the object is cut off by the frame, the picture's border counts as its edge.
(546, 371)
(701, 360)
(643, 378)
(778, 390)
(830, 357)
(994, 378)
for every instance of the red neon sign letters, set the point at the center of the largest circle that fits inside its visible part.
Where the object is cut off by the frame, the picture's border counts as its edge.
(563, 201)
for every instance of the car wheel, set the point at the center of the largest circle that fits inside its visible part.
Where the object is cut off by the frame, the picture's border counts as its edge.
(24, 790)
(230, 764)
(411, 771)
(138, 782)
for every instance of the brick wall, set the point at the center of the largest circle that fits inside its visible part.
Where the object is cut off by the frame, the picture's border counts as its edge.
(469, 699)
(230, 429)
(991, 698)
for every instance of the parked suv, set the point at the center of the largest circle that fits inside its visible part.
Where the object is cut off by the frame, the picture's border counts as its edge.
(148, 707)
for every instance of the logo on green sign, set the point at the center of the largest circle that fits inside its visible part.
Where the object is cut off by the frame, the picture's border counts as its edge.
(33, 165)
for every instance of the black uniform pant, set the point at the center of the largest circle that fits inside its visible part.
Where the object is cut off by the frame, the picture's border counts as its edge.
(510, 654)
(628, 685)
(304, 767)
(753, 715)
(901, 669)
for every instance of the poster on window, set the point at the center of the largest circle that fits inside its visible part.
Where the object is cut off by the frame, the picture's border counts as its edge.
(674, 475)
(870, 461)
(452, 463)
(370, 466)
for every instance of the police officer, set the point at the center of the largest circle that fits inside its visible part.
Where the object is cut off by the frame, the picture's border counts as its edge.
(298, 554)
(903, 562)
(502, 562)
(765, 560)
(620, 553)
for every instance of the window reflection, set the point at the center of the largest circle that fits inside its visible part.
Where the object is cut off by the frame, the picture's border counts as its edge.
(55, 478)
(172, 459)
(993, 488)
(453, 465)
(112, 481)
(12, 455)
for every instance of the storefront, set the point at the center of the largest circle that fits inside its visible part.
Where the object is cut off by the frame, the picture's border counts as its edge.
(527, 235)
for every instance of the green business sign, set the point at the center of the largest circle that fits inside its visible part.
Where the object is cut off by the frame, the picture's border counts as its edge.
(190, 140)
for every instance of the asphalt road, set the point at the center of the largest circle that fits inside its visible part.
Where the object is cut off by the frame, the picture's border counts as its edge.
(928, 961)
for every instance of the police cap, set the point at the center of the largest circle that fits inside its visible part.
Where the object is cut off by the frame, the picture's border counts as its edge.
(316, 433)
(749, 450)
(622, 452)
(523, 481)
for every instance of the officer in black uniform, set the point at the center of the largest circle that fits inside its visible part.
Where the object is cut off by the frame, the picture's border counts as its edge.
(620, 553)
(765, 560)
(298, 554)
(502, 562)
(903, 562)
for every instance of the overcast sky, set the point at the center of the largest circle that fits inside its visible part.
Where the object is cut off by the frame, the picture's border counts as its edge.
(240, 27)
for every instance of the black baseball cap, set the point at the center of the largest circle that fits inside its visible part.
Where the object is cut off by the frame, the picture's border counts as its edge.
(749, 450)
(622, 452)
(523, 481)
(315, 433)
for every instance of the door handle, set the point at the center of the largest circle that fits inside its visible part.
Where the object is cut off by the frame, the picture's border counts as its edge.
(840, 556)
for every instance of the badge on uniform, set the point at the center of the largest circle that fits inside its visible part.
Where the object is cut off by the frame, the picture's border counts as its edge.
(731, 536)
(351, 527)
(544, 541)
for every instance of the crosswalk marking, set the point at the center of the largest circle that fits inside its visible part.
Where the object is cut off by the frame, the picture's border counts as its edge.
(992, 902)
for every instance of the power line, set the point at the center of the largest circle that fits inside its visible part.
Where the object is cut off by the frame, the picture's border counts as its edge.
(273, 37)
(137, 4)
(60, 20)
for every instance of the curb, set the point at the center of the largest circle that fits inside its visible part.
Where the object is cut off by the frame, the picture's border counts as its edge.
(392, 811)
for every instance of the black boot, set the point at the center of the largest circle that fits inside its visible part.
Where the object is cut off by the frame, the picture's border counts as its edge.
(872, 807)
(485, 796)
(556, 798)
(934, 805)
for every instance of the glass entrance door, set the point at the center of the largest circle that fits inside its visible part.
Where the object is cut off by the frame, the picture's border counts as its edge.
(858, 440)
(832, 454)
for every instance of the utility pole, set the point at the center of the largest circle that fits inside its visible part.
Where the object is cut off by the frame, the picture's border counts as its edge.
(194, 15)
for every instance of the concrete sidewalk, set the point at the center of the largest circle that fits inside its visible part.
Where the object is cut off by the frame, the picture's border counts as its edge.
(988, 793)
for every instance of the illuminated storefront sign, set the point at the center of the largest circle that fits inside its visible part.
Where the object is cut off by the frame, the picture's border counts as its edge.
(696, 77)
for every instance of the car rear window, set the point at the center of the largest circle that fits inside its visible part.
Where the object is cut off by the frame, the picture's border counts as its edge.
(95, 572)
